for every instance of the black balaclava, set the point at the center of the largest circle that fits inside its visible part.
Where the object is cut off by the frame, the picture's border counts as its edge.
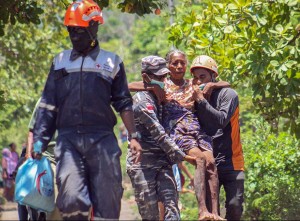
(84, 38)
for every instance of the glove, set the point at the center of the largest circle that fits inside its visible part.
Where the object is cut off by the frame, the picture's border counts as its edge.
(37, 147)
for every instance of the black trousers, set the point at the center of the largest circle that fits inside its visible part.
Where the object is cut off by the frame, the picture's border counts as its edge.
(233, 183)
(88, 174)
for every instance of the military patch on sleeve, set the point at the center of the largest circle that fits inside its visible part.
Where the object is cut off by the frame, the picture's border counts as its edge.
(150, 108)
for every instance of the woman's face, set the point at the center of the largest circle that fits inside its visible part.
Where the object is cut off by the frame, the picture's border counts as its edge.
(177, 66)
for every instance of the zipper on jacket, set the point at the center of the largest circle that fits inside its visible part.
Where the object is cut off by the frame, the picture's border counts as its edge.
(81, 107)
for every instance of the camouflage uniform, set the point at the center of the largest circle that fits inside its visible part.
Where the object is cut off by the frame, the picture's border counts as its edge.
(152, 178)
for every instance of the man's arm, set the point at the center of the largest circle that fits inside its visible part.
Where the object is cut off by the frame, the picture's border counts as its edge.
(217, 118)
(45, 124)
(128, 120)
(145, 112)
(29, 148)
(210, 86)
(142, 86)
(138, 86)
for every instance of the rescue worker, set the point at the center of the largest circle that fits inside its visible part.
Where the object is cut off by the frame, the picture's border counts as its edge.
(153, 178)
(81, 86)
(219, 117)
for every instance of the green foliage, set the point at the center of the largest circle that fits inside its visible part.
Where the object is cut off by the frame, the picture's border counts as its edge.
(25, 59)
(21, 11)
(149, 38)
(189, 205)
(26, 12)
(141, 7)
(272, 190)
(256, 44)
(133, 38)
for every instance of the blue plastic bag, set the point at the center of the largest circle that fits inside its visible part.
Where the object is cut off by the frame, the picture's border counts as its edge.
(35, 185)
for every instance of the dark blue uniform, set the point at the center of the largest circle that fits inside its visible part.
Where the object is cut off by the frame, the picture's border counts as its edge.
(76, 101)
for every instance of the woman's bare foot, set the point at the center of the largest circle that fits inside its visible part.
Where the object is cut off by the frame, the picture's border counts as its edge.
(217, 217)
(206, 216)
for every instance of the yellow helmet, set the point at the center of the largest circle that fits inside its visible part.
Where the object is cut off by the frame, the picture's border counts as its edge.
(204, 61)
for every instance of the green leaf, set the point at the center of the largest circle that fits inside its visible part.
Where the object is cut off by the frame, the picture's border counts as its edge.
(283, 81)
(232, 6)
(293, 3)
(279, 28)
(274, 63)
(220, 20)
(228, 29)
(196, 24)
(290, 63)
(262, 20)
(220, 5)
(283, 68)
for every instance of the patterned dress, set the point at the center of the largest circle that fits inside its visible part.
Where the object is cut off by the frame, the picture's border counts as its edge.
(179, 119)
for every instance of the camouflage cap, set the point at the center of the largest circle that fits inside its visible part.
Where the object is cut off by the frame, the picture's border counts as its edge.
(154, 65)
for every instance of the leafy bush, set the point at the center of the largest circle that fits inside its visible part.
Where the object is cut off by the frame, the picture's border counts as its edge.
(189, 206)
(272, 190)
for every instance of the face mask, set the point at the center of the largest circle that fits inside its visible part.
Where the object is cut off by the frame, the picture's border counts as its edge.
(83, 39)
(202, 86)
(81, 42)
(159, 83)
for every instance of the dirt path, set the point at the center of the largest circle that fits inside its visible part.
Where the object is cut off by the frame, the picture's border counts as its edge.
(127, 212)
(10, 212)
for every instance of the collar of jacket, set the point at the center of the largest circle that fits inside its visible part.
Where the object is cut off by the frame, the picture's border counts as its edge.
(92, 53)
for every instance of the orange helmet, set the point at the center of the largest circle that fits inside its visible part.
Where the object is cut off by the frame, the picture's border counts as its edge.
(204, 61)
(81, 12)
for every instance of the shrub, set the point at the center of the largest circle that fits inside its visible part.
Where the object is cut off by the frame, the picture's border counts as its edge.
(272, 189)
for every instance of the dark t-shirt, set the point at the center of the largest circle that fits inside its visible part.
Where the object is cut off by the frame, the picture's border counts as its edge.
(220, 119)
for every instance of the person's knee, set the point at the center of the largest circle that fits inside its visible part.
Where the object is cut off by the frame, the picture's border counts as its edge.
(200, 159)
(209, 157)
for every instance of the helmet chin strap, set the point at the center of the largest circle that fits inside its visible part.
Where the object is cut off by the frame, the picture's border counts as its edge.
(93, 43)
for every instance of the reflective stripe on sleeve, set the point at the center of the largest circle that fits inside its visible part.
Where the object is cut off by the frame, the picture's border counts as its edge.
(48, 107)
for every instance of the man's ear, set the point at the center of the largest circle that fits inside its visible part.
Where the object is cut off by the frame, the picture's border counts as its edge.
(213, 77)
(146, 78)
